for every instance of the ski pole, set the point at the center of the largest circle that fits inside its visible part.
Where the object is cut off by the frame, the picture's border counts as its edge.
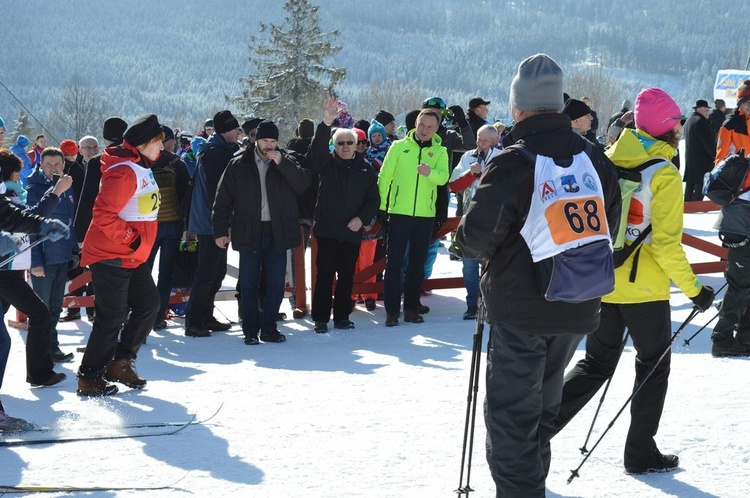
(693, 313)
(471, 404)
(687, 341)
(32, 245)
(601, 401)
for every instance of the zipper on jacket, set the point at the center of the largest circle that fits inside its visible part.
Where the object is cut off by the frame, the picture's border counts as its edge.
(416, 186)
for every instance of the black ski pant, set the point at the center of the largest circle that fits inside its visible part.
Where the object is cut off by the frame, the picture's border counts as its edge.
(15, 291)
(649, 325)
(209, 274)
(733, 313)
(119, 291)
(412, 232)
(336, 259)
(524, 385)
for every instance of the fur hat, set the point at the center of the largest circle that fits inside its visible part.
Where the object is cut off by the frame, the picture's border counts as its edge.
(143, 130)
(656, 112)
(113, 129)
(267, 129)
(538, 85)
(69, 147)
(376, 127)
(225, 121)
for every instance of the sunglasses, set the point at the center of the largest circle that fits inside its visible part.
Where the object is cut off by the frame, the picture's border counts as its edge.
(362, 142)
(348, 142)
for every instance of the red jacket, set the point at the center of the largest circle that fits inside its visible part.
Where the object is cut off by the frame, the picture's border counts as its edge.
(109, 237)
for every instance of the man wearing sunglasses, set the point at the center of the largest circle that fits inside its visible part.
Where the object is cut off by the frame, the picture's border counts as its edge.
(412, 171)
(348, 200)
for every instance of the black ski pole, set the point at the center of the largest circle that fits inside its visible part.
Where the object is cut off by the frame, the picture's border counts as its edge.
(687, 341)
(574, 473)
(471, 404)
(583, 448)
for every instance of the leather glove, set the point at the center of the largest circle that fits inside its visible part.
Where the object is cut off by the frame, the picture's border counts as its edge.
(704, 299)
(459, 116)
(7, 244)
(54, 230)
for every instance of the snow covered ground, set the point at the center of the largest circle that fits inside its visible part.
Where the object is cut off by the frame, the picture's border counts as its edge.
(371, 412)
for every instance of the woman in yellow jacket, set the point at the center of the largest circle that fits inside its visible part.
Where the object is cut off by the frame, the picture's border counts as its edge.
(408, 181)
(640, 301)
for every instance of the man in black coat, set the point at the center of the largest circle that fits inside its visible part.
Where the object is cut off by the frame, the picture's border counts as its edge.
(348, 200)
(532, 339)
(718, 115)
(257, 200)
(700, 149)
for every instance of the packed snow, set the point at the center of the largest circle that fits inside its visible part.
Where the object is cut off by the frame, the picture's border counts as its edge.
(369, 412)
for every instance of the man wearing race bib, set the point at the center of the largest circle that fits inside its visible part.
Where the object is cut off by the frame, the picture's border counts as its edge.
(532, 339)
(116, 248)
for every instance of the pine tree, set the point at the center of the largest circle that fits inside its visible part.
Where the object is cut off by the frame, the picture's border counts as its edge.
(291, 80)
(23, 126)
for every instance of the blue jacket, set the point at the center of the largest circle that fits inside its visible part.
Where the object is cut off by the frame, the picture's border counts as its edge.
(212, 161)
(51, 253)
(19, 149)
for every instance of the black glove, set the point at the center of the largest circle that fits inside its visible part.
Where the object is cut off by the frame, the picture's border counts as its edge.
(704, 299)
(382, 217)
(459, 116)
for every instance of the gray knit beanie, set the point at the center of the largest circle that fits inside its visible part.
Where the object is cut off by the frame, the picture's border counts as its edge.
(538, 85)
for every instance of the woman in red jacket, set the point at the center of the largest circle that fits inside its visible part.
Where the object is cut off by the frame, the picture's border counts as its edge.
(116, 248)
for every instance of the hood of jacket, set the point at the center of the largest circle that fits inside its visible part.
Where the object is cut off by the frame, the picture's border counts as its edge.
(634, 147)
(37, 177)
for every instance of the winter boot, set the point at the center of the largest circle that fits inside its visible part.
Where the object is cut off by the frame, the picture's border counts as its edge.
(657, 463)
(12, 424)
(413, 316)
(391, 320)
(123, 371)
(95, 387)
(723, 347)
(470, 313)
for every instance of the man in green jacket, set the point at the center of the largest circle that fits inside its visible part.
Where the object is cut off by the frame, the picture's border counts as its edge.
(412, 170)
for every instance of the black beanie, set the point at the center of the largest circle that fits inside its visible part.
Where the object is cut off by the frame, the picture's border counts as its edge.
(224, 121)
(168, 133)
(113, 129)
(576, 109)
(267, 129)
(384, 117)
(363, 125)
(143, 130)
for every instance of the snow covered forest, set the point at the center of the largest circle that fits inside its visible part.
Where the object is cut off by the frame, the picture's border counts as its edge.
(181, 59)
